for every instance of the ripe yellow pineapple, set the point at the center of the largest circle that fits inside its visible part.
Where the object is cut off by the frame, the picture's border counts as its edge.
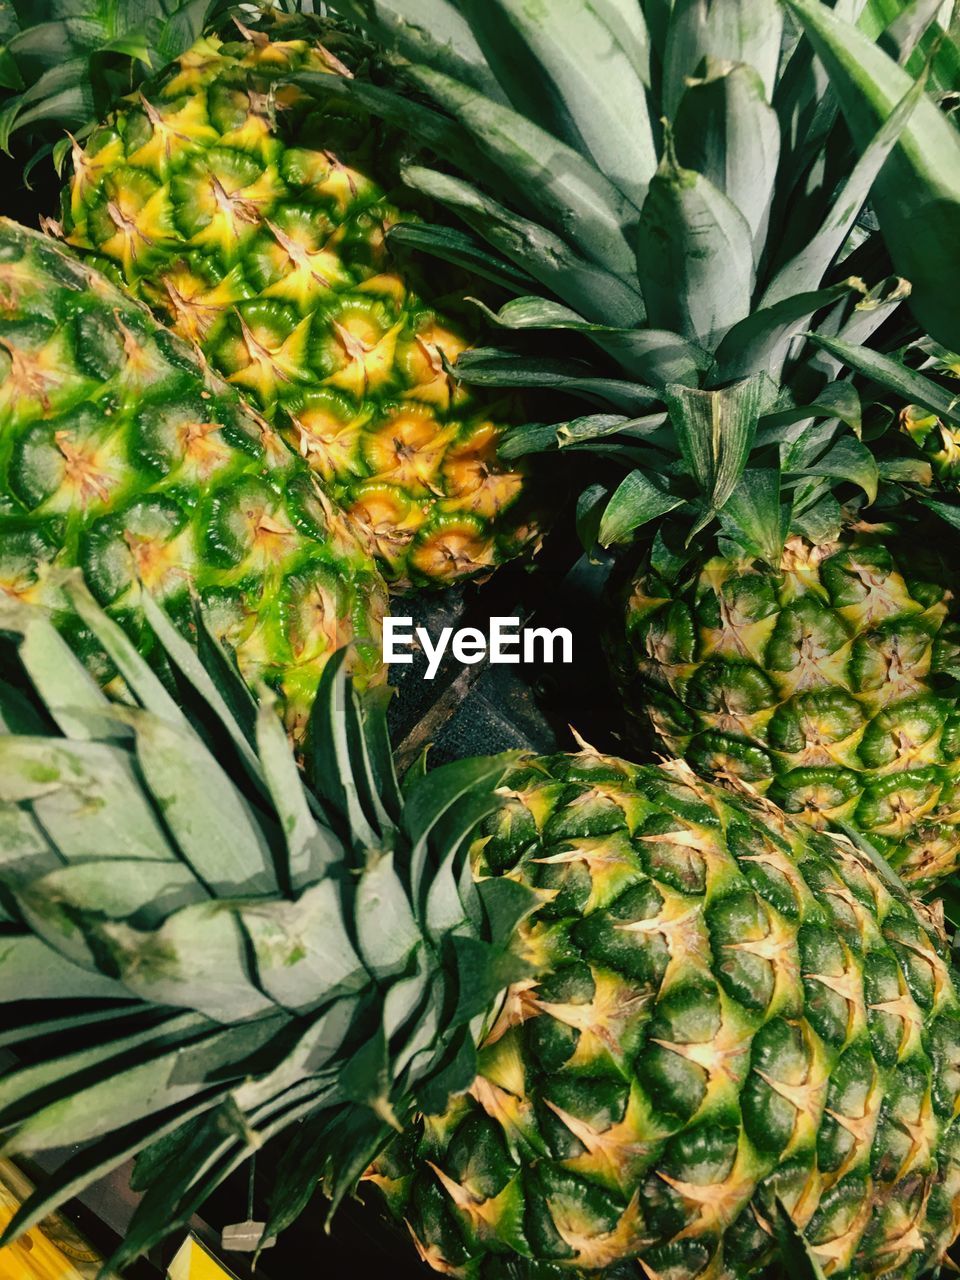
(247, 217)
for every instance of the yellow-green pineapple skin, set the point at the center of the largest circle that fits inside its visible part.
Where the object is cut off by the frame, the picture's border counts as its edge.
(246, 216)
(829, 685)
(725, 1008)
(120, 454)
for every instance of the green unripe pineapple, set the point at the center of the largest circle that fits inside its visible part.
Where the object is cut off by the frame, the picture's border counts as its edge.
(830, 686)
(120, 453)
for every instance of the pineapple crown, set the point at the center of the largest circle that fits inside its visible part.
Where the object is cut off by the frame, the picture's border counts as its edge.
(682, 192)
(199, 950)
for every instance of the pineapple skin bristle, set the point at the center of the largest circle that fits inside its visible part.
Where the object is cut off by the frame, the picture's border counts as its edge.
(246, 216)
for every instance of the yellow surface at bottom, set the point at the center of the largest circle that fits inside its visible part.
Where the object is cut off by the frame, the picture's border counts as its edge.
(33, 1256)
(193, 1262)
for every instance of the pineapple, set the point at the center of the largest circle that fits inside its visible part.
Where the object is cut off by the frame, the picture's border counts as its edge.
(695, 182)
(249, 220)
(118, 452)
(617, 1013)
(827, 681)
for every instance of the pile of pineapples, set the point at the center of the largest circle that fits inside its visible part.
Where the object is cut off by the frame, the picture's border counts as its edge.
(573, 1016)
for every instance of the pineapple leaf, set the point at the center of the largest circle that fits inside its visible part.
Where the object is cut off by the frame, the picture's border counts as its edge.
(186, 660)
(297, 1174)
(726, 130)
(535, 437)
(947, 511)
(848, 459)
(310, 848)
(10, 77)
(431, 32)
(444, 909)
(97, 1159)
(658, 356)
(17, 712)
(506, 903)
(171, 1200)
(483, 971)
(591, 504)
(122, 1093)
(387, 932)
(168, 966)
(430, 797)
(836, 400)
(419, 1038)
(60, 95)
(133, 46)
(366, 1077)
(875, 309)
(380, 752)
(807, 269)
(917, 194)
(335, 734)
(715, 433)
(34, 972)
(654, 355)
(638, 500)
(437, 130)
(364, 1137)
(404, 1005)
(215, 832)
(488, 366)
(69, 64)
(939, 48)
(86, 1019)
(568, 191)
(901, 26)
(19, 1086)
(462, 250)
(564, 40)
(78, 792)
(455, 1074)
(66, 906)
(69, 693)
(762, 341)
(755, 513)
(544, 255)
(532, 312)
(599, 426)
(142, 682)
(894, 375)
(303, 952)
(224, 675)
(695, 255)
(743, 31)
(513, 43)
